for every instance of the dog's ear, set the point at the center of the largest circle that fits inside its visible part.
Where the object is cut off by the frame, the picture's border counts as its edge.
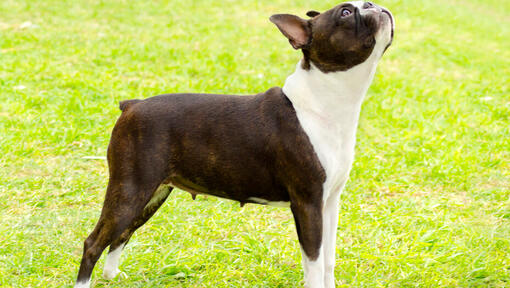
(312, 13)
(296, 29)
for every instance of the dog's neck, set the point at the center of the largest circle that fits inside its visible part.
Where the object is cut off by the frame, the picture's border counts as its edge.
(334, 97)
(328, 107)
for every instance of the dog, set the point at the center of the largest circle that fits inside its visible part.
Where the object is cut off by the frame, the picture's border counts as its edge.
(290, 146)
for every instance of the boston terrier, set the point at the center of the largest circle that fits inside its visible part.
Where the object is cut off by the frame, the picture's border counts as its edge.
(290, 146)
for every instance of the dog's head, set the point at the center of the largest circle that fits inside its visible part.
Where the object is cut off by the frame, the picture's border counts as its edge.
(341, 37)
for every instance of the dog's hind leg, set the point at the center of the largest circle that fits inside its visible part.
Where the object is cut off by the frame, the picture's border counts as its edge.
(127, 206)
(111, 266)
(93, 247)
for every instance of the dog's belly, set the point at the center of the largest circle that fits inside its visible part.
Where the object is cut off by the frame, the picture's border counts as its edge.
(226, 182)
(278, 199)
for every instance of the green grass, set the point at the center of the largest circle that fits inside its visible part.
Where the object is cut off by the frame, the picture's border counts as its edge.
(428, 200)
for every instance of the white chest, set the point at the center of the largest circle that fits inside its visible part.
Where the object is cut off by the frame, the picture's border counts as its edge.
(334, 148)
(327, 107)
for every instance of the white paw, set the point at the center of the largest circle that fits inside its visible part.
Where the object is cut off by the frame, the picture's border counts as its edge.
(110, 274)
(85, 284)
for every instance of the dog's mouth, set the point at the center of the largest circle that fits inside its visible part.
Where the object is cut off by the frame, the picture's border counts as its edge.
(391, 21)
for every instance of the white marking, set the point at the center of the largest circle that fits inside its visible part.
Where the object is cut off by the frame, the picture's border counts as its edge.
(313, 270)
(270, 203)
(329, 226)
(327, 106)
(85, 284)
(358, 4)
(375, 8)
(362, 11)
(111, 266)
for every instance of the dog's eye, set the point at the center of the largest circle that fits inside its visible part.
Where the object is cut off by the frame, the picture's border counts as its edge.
(346, 12)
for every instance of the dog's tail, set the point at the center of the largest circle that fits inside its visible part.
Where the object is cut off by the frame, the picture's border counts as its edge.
(124, 105)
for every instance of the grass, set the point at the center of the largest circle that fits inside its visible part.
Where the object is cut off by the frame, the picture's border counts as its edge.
(428, 200)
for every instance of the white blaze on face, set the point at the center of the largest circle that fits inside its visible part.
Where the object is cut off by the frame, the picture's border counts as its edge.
(383, 36)
(358, 4)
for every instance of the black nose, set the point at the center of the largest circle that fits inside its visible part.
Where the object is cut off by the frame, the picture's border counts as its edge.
(367, 5)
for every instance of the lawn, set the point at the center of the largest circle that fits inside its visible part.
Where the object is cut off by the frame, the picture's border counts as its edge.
(427, 204)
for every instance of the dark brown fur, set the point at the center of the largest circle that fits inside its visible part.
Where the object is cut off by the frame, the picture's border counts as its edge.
(224, 145)
(341, 46)
(328, 40)
(227, 146)
(250, 146)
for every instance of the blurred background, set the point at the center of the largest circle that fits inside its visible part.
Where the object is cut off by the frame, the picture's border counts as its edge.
(428, 200)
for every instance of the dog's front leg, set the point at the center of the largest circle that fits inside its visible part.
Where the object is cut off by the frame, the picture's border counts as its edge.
(308, 218)
(330, 220)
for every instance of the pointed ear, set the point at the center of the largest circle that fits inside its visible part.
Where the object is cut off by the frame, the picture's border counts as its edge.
(296, 29)
(312, 13)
